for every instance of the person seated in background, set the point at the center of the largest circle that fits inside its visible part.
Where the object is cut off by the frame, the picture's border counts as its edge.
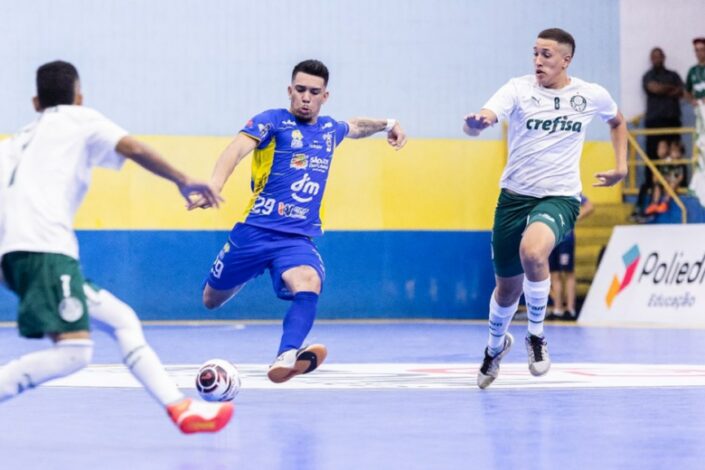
(562, 266)
(674, 175)
(646, 190)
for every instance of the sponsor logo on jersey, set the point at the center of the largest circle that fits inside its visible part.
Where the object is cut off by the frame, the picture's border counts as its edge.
(578, 103)
(297, 139)
(328, 137)
(327, 125)
(70, 309)
(304, 189)
(299, 161)
(289, 123)
(319, 164)
(263, 130)
(292, 211)
(560, 123)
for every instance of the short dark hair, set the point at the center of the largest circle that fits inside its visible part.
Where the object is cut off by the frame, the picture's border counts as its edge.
(312, 67)
(56, 82)
(560, 36)
(699, 40)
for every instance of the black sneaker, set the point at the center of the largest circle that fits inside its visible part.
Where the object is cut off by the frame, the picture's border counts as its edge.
(489, 370)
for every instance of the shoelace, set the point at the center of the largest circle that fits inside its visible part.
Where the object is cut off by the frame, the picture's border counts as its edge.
(537, 345)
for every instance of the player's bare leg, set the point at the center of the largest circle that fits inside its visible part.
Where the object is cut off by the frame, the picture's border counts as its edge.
(214, 298)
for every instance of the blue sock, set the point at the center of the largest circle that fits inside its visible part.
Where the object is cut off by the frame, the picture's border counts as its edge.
(298, 320)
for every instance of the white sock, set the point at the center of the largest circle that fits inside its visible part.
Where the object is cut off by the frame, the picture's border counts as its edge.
(116, 318)
(536, 297)
(30, 370)
(500, 318)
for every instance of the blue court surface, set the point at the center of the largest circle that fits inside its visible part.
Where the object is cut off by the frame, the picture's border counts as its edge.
(390, 396)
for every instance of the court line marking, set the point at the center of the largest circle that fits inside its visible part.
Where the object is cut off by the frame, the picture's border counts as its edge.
(436, 376)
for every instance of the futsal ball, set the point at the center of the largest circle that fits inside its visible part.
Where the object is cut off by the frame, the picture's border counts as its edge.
(218, 380)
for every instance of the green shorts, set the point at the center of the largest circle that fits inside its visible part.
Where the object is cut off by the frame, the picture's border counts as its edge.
(50, 288)
(516, 212)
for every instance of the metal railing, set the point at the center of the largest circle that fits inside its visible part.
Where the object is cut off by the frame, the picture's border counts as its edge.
(633, 163)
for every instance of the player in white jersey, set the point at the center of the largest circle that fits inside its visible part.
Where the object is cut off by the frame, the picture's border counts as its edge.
(540, 187)
(45, 171)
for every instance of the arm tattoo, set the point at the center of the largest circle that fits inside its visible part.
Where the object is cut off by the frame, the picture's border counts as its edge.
(362, 127)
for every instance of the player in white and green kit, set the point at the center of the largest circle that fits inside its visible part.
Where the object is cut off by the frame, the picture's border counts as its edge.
(45, 171)
(548, 113)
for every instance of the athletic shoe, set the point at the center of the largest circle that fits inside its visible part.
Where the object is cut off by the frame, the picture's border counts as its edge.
(651, 209)
(537, 349)
(294, 362)
(489, 370)
(662, 208)
(193, 416)
(569, 315)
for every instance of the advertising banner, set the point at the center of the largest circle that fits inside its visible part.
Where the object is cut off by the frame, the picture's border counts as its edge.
(650, 274)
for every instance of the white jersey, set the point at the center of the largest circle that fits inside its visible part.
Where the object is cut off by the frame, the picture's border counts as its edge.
(546, 133)
(45, 170)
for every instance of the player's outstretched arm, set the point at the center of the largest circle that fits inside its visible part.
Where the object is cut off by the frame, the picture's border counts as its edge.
(149, 159)
(233, 154)
(475, 123)
(618, 135)
(364, 127)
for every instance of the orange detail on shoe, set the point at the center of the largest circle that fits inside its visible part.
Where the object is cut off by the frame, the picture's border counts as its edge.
(662, 208)
(190, 421)
(652, 209)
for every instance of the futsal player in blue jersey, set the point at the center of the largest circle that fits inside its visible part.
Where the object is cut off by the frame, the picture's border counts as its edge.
(293, 151)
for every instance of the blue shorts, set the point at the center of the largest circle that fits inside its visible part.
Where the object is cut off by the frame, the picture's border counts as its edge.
(250, 250)
(562, 257)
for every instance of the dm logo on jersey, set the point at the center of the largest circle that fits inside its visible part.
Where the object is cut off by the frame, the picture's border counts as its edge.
(299, 161)
(297, 139)
(578, 103)
(631, 261)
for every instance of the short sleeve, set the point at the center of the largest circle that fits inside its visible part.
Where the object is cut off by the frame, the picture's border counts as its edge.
(503, 101)
(341, 131)
(102, 143)
(261, 128)
(606, 106)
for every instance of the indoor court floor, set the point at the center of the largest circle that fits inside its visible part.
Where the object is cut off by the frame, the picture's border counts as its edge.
(391, 395)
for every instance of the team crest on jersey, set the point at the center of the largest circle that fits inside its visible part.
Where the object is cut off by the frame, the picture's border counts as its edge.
(578, 103)
(297, 139)
(299, 161)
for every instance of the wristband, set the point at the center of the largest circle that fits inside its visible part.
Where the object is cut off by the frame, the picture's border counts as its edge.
(390, 124)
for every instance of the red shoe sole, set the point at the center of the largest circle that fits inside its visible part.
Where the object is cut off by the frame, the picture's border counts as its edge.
(194, 424)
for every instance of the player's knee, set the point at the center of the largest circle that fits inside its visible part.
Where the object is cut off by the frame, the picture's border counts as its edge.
(533, 257)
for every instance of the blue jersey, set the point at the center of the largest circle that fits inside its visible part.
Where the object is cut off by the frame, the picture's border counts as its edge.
(290, 170)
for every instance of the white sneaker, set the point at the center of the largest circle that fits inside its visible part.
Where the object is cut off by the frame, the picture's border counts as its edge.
(294, 362)
(537, 350)
(489, 370)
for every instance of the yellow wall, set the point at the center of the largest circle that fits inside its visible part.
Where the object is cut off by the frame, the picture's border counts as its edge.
(429, 185)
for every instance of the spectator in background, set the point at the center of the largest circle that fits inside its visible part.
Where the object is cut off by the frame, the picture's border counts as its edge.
(649, 197)
(562, 266)
(695, 94)
(664, 89)
(674, 175)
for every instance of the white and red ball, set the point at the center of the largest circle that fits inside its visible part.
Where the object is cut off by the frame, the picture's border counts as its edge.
(218, 380)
